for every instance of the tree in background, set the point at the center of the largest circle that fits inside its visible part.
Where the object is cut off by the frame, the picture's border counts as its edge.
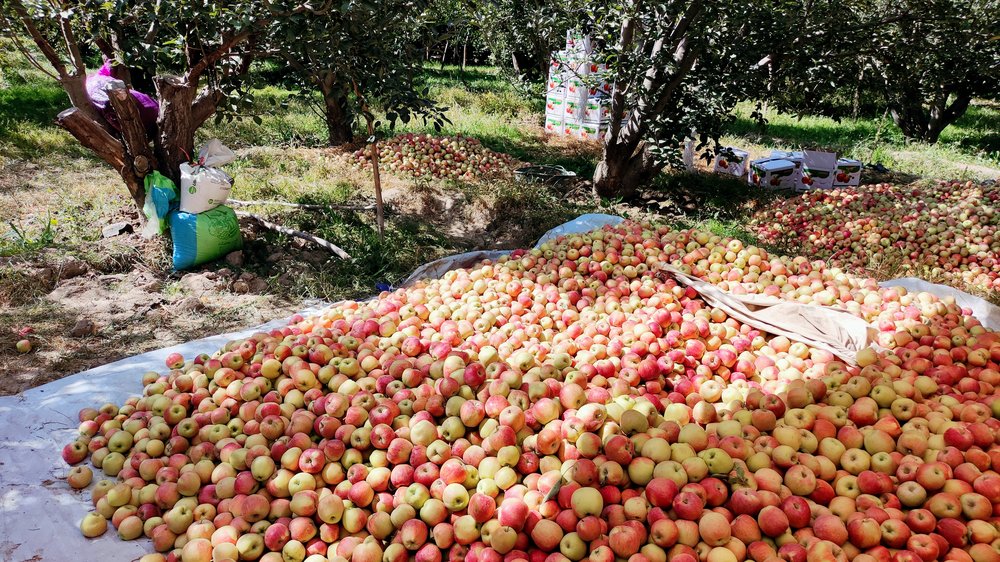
(521, 36)
(922, 60)
(358, 55)
(935, 60)
(676, 66)
(194, 54)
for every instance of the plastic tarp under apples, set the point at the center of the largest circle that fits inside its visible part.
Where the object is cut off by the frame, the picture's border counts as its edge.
(39, 513)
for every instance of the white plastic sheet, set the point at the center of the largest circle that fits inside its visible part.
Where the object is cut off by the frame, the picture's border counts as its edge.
(39, 512)
(437, 268)
(988, 314)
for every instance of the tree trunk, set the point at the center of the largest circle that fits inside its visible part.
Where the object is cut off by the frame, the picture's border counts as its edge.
(444, 55)
(338, 122)
(856, 102)
(465, 53)
(621, 173)
(517, 67)
(917, 123)
(175, 141)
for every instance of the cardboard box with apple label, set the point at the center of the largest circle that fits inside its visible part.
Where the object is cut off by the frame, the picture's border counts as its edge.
(796, 158)
(848, 173)
(818, 170)
(732, 161)
(773, 173)
(554, 124)
(597, 110)
(591, 130)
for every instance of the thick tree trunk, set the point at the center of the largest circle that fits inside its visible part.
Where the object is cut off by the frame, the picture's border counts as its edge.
(917, 123)
(514, 63)
(175, 141)
(338, 122)
(621, 173)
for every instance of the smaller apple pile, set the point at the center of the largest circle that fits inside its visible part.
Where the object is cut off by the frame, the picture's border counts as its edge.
(429, 157)
(945, 231)
(561, 404)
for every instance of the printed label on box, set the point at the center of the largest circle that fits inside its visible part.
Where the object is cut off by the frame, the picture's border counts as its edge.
(772, 173)
(597, 110)
(555, 101)
(731, 161)
(591, 131)
(848, 173)
(553, 124)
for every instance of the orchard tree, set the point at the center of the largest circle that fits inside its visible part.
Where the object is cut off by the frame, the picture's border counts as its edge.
(676, 66)
(193, 53)
(522, 35)
(932, 63)
(923, 60)
(357, 55)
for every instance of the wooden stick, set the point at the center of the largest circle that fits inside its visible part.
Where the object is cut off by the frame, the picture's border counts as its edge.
(133, 130)
(298, 234)
(303, 205)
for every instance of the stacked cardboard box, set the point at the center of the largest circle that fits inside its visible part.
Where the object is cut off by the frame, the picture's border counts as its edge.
(576, 101)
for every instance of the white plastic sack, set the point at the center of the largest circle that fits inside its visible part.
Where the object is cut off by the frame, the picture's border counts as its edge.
(437, 268)
(204, 186)
(988, 314)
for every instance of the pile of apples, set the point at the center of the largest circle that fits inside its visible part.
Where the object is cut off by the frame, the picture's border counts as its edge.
(945, 231)
(429, 157)
(565, 403)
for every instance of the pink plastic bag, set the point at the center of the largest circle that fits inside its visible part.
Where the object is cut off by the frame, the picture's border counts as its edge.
(149, 108)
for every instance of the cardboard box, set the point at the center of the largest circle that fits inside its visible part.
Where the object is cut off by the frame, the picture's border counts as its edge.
(772, 173)
(554, 102)
(818, 170)
(848, 173)
(578, 41)
(590, 130)
(732, 161)
(554, 124)
(573, 109)
(795, 157)
(597, 110)
(571, 128)
(575, 87)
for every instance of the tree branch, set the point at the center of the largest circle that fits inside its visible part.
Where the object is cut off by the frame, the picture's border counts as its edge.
(194, 74)
(337, 250)
(40, 40)
(204, 106)
(72, 46)
(28, 55)
(626, 38)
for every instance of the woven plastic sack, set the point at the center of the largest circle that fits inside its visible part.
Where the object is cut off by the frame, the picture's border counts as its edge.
(203, 185)
(97, 84)
(204, 237)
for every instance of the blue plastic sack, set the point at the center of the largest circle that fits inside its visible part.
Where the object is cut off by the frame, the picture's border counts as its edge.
(204, 237)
